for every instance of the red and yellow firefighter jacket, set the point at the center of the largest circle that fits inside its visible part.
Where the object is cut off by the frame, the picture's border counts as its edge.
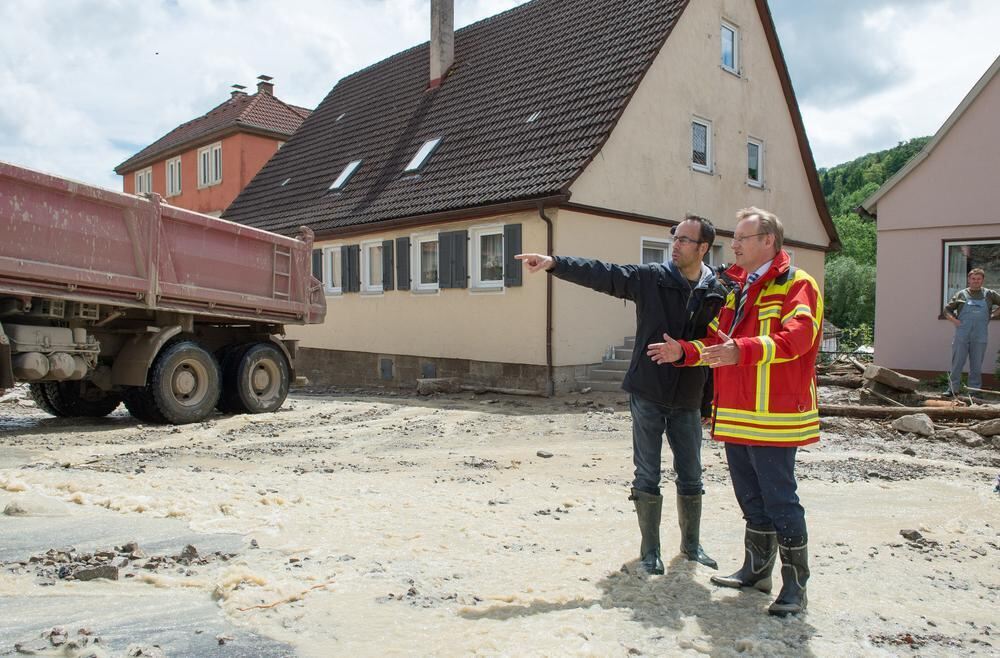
(769, 396)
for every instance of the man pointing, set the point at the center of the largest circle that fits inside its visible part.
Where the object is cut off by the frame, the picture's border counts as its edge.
(679, 297)
(763, 348)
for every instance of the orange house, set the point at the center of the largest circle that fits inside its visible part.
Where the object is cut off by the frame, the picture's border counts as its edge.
(202, 165)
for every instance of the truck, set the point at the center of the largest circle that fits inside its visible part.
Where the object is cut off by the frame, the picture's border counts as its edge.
(109, 298)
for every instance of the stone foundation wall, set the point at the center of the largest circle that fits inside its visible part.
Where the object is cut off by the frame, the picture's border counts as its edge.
(367, 369)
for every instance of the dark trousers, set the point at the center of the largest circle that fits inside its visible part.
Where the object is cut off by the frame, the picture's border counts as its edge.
(683, 429)
(764, 481)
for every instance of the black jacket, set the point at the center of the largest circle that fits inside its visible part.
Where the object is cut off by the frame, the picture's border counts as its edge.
(665, 303)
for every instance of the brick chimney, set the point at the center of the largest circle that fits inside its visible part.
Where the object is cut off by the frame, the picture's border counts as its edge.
(442, 39)
(264, 85)
(238, 91)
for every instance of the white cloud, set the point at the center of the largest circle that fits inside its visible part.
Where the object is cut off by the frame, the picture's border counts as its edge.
(86, 83)
(938, 54)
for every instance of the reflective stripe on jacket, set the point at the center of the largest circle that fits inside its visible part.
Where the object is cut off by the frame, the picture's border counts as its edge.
(769, 396)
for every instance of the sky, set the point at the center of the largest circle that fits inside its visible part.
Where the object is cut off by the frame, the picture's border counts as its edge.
(87, 83)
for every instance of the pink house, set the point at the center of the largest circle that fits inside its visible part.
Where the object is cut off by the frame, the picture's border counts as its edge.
(938, 218)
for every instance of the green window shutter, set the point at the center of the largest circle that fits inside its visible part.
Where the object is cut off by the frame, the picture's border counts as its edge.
(402, 263)
(511, 247)
(345, 269)
(453, 257)
(317, 264)
(354, 268)
(387, 265)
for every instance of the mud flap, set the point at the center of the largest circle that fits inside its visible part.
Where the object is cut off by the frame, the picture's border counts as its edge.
(6, 368)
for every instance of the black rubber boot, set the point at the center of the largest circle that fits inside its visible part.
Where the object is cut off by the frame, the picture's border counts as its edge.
(761, 548)
(689, 519)
(794, 574)
(648, 508)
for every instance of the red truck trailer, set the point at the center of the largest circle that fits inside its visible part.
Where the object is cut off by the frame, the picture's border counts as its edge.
(107, 297)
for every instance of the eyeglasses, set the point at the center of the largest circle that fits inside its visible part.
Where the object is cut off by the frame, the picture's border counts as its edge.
(686, 241)
(737, 240)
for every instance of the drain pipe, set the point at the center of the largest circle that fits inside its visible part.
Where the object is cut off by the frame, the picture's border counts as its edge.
(550, 370)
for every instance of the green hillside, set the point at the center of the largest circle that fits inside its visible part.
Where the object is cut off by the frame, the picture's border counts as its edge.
(850, 273)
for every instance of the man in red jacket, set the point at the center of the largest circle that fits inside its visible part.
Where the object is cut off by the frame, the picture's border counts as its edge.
(763, 348)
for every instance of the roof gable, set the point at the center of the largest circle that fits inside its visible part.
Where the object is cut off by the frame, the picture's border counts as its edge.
(573, 62)
(870, 205)
(261, 112)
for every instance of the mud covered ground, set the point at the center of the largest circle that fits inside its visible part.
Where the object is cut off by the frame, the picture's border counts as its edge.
(375, 524)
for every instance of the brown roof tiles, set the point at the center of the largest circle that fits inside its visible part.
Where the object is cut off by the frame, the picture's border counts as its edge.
(260, 112)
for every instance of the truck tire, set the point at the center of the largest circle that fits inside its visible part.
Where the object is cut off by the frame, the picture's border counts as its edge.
(139, 402)
(256, 380)
(40, 394)
(74, 399)
(184, 382)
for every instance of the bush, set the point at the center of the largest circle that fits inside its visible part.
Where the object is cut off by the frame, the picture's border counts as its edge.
(850, 293)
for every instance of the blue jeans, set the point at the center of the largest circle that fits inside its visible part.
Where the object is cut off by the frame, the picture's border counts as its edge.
(764, 482)
(683, 428)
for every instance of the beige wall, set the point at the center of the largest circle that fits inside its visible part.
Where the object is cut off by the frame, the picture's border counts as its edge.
(505, 326)
(952, 195)
(645, 165)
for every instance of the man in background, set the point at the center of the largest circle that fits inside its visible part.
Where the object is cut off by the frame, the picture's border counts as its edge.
(970, 310)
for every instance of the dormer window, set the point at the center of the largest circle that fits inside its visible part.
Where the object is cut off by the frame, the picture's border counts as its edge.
(345, 175)
(422, 155)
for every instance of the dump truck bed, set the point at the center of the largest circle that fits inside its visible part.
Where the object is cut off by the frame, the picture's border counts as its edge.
(69, 240)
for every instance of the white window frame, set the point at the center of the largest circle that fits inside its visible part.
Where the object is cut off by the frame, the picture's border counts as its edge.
(174, 183)
(415, 241)
(422, 155)
(656, 243)
(144, 181)
(735, 70)
(759, 143)
(330, 270)
(210, 167)
(707, 167)
(366, 285)
(476, 233)
(947, 265)
(714, 255)
(345, 175)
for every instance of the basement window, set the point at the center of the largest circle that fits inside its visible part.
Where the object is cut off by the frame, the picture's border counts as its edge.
(346, 174)
(422, 155)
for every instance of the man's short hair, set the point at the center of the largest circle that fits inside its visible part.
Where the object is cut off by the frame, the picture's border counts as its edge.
(706, 229)
(976, 270)
(768, 222)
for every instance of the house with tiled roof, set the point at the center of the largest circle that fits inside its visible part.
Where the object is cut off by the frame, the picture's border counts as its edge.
(576, 127)
(203, 164)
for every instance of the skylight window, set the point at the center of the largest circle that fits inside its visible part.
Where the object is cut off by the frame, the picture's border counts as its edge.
(421, 157)
(346, 174)
(534, 117)
(285, 182)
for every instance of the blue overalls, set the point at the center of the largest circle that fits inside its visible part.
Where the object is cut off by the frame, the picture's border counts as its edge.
(970, 342)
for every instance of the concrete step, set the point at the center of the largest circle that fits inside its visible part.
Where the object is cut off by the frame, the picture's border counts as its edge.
(615, 364)
(604, 386)
(630, 342)
(623, 353)
(600, 374)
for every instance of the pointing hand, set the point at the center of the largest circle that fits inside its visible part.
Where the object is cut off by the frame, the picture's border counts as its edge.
(536, 262)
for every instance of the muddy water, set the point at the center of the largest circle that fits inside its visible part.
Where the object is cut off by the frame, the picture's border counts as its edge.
(392, 526)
